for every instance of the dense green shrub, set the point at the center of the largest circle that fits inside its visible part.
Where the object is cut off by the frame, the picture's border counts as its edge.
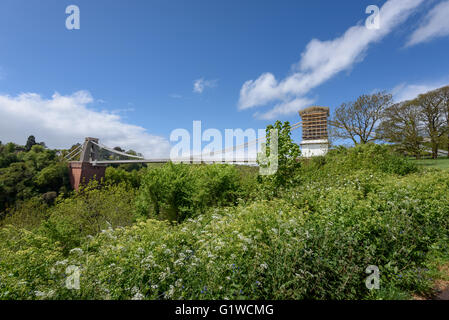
(27, 214)
(369, 156)
(290, 248)
(118, 175)
(26, 263)
(179, 191)
(88, 212)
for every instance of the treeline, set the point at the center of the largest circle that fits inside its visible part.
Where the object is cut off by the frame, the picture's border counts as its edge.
(33, 171)
(29, 171)
(415, 127)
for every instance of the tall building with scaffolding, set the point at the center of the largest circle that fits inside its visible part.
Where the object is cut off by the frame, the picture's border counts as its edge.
(315, 140)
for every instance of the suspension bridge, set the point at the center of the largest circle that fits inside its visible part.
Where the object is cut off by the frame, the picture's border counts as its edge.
(91, 166)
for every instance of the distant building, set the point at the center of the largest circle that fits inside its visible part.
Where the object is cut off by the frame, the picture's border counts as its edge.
(315, 140)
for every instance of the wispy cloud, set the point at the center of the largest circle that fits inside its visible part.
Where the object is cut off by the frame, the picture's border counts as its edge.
(285, 108)
(200, 84)
(176, 96)
(320, 61)
(435, 24)
(407, 91)
(64, 120)
(123, 110)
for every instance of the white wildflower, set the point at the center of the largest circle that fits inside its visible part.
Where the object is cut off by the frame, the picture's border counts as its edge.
(61, 263)
(178, 262)
(170, 292)
(137, 296)
(76, 250)
(178, 282)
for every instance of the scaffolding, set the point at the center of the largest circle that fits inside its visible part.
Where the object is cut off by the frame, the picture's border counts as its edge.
(314, 123)
(314, 131)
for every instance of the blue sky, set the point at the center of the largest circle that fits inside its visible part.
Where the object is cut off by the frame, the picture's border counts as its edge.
(128, 75)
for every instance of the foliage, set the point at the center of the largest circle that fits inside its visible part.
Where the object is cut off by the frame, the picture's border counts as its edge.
(119, 175)
(178, 191)
(31, 141)
(432, 114)
(368, 157)
(401, 124)
(27, 214)
(287, 159)
(88, 212)
(419, 123)
(358, 120)
(53, 177)
(288, 248)
(26, 174)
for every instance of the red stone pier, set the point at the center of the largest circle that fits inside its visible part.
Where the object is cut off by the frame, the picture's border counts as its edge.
(82, 172)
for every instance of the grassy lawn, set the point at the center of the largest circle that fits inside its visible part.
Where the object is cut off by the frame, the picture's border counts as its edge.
(440, 163)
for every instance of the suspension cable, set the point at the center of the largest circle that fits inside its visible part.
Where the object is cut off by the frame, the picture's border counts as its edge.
(115, 151)
(69, 159)
(246, 144)
(70, 154)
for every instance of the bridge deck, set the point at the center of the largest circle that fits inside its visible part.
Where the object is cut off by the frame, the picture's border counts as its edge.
(236, 161)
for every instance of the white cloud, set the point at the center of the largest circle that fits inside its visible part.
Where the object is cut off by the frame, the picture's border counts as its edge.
(64, 120)
(320, 61)
(285, 108)
(404, 91)
(200, 84)
(435, 24)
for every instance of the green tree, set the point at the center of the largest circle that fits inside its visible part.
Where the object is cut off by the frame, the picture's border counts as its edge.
(358, 120)
(288, 157)
(53, 178)
(444, 92)
(31, 141)
(24, 175)
(15, 183)
(401, 124)
(38, 157)
(432, 115)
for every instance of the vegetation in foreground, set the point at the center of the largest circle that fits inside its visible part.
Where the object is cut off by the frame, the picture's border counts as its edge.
(175, 233)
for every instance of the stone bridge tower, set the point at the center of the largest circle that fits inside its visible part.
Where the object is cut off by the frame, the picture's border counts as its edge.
(81, 172)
